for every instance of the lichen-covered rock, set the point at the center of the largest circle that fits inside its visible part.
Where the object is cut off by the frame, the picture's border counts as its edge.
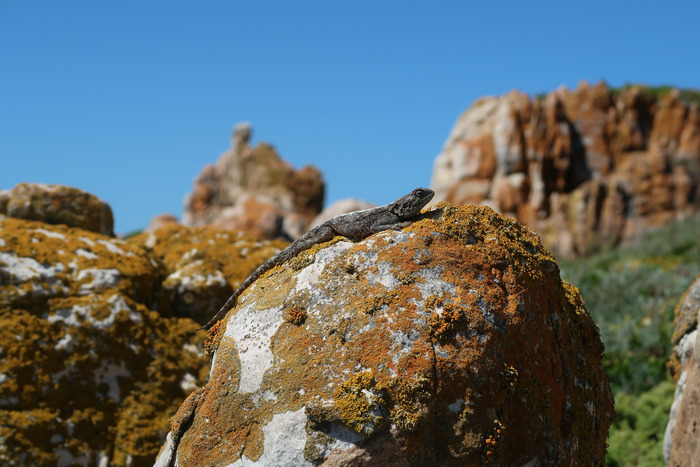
(89, 375)
(58, 204)
(681, 446)
(452, 342)
(251, 188)
(202, 266)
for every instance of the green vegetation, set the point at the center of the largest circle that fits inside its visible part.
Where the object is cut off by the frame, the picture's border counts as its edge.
(657, 92)
(631, 294)
(636, 437)
(133, 233)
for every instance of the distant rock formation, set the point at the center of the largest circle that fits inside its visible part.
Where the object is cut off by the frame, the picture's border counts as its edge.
(253, 190)
(582, 168)
(57, 204)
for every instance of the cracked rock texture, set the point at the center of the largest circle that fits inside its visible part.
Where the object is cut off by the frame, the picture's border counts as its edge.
(97, 341)
(681, 441)
(453, 342)
(583, 167)
(253, 190)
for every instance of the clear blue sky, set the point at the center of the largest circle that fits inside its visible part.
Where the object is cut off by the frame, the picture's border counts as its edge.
(129, 99)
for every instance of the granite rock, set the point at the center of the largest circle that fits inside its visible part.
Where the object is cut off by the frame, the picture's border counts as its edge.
(201, 267)
(583, 168)
(89, 373)
(58, 204)
(451, 342)
(252, 189)
(681, 446)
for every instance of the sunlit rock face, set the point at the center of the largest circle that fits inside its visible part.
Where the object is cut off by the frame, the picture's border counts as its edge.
(57, 204)
(89, 372)
(681, 448)
(451, 342)
(252, 189)
(583, 168)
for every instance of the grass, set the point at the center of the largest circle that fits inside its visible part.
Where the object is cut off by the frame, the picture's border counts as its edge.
(631, 294)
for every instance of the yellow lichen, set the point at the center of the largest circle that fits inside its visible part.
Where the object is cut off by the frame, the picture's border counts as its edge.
(361, 403)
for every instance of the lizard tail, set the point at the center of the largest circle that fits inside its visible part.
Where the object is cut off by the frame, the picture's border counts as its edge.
(224, 309)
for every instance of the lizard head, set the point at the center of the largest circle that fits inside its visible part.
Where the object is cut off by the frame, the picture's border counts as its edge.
(409, 205)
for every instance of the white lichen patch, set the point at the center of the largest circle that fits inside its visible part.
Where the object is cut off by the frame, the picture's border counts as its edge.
(76, 315)
(312, 273)
(101, 278)
(86, 254)
(432, 284)
(285, 438)
(51, 234)
(112, 247)
(109, 373)
(21, 270)
(188, 383)
(252, 331)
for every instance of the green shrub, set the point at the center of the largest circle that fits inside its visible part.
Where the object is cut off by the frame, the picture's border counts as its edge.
(631, 294)
(637, 436)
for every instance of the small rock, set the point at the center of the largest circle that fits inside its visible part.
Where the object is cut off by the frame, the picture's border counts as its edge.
(58, 204)
(161, 220)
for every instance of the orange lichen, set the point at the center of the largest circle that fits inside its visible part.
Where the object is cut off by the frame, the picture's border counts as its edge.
(295, 315)
(86, 362)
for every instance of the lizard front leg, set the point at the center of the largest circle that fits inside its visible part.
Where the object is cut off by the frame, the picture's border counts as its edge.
(389, 222)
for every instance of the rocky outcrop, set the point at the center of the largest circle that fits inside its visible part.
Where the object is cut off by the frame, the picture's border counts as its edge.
(57, 204)
(253, 190)
(89, 373)
(452, 342)
(201, 267)
(97, 341)
(681, 447)
(583, 168)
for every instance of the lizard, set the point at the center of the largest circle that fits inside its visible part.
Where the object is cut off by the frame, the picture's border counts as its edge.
(354, 225)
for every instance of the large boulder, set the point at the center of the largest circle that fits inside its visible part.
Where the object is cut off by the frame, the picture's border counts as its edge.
(583, 168)
(201, 267)
(89, 372)
(252, 189)
(681, 446)
(58, 204)
(452, 342)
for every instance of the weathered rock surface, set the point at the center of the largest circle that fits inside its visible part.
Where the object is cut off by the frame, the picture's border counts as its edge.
(681, 441)
(452, 342)
(88, 373)
(202, 267)
(58, 204)
(252, 189)
(97, 344)
(582, 168)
